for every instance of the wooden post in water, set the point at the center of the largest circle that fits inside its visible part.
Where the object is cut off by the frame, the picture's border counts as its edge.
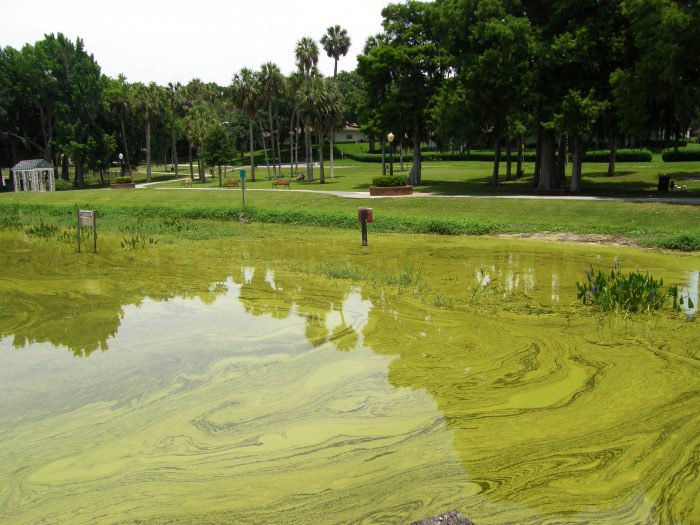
(364, 217)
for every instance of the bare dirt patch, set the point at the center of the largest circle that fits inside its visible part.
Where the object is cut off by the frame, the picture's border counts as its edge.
(586, 238)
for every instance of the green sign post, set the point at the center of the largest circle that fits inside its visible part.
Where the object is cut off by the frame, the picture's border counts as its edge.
(242, 174)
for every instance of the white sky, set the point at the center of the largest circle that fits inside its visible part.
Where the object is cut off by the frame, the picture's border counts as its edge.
(172, 40)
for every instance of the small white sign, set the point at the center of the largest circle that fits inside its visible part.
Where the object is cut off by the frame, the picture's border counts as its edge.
(86, 217)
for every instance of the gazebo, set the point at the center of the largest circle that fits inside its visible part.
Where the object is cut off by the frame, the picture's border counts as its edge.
(33, 175)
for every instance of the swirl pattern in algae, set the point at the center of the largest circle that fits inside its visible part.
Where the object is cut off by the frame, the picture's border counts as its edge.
(250, 383)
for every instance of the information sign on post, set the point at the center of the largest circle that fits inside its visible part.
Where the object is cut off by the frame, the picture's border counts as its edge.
(87, 218)
(242, 174)
(364, 217)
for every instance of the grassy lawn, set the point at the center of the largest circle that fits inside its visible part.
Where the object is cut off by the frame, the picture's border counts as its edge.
(473, 178)
(642, 222)
(653, 224)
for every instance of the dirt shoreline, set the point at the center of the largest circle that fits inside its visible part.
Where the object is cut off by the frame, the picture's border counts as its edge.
(582, 238)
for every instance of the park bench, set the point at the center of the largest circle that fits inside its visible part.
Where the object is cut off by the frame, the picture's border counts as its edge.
(187, 183)
(281, 182)
(232, 182)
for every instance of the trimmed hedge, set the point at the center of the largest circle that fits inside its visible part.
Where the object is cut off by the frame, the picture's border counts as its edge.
(387, 180)
(623, 155)
(437, 156)
(122, 180)
(63, 185)
(690, 152)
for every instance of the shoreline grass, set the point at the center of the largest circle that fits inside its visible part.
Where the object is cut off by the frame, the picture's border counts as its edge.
(668, 226)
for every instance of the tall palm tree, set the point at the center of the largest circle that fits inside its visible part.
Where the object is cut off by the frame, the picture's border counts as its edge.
(336, 43)
(328, 117)
(248, 97)
(321, 104)
(272, 82)
(121, 99)
(294, 82)
(149, 101)
(306, 53)
(199, 119)
(175, 97)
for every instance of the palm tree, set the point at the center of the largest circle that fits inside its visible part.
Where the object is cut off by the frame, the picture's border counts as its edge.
(199, 121)
(149, 101)
(336, 43)
(328, 118)
(294, 81)
(320, 104)
(121, 99)
(247, 98)
(306, 52)
(375, 41)
(175, 97)
(272, 83)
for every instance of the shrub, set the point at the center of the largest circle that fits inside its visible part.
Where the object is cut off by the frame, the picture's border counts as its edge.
(685, 242)
(436, 156)
(387, 180)
(623, 155)
(63, 185)
(686, 154)
(122, 180)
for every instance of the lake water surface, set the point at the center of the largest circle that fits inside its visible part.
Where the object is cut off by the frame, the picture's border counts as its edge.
(274, 379)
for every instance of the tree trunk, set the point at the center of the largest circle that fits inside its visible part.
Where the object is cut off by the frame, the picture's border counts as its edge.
(401, 150)
(547, 179)
(496, 160)
(126, 147)
(296, 145)
(174, 146)
(414, 176)
(272, 138)
(509, 158)
(383, 157)
(577, 147)
(371, 142)
(279, 148)
(267, 159)
(79, 173)
(307, 148)
(220, 181)
(65, 168)
(200, 168)
(252, 160)
(331, 151)
(613, 156)
(49, 150)
(561, 161)
(321, 174)
(519, 167)
(148, 150)
(538, 159)
(189, 150)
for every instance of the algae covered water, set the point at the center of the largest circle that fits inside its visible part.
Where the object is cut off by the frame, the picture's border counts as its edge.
(273, 378)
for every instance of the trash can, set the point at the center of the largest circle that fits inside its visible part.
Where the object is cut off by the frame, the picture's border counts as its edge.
(664, 182)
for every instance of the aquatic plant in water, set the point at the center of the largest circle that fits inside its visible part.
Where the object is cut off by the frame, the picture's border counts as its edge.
(631, 293)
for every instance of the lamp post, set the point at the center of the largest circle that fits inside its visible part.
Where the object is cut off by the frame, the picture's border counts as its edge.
(121, 163)
(390, 138)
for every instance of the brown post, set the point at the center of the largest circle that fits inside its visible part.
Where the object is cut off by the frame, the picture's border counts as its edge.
(364, 217)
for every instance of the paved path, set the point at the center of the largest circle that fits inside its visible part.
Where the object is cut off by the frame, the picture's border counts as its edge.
(417, 195)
